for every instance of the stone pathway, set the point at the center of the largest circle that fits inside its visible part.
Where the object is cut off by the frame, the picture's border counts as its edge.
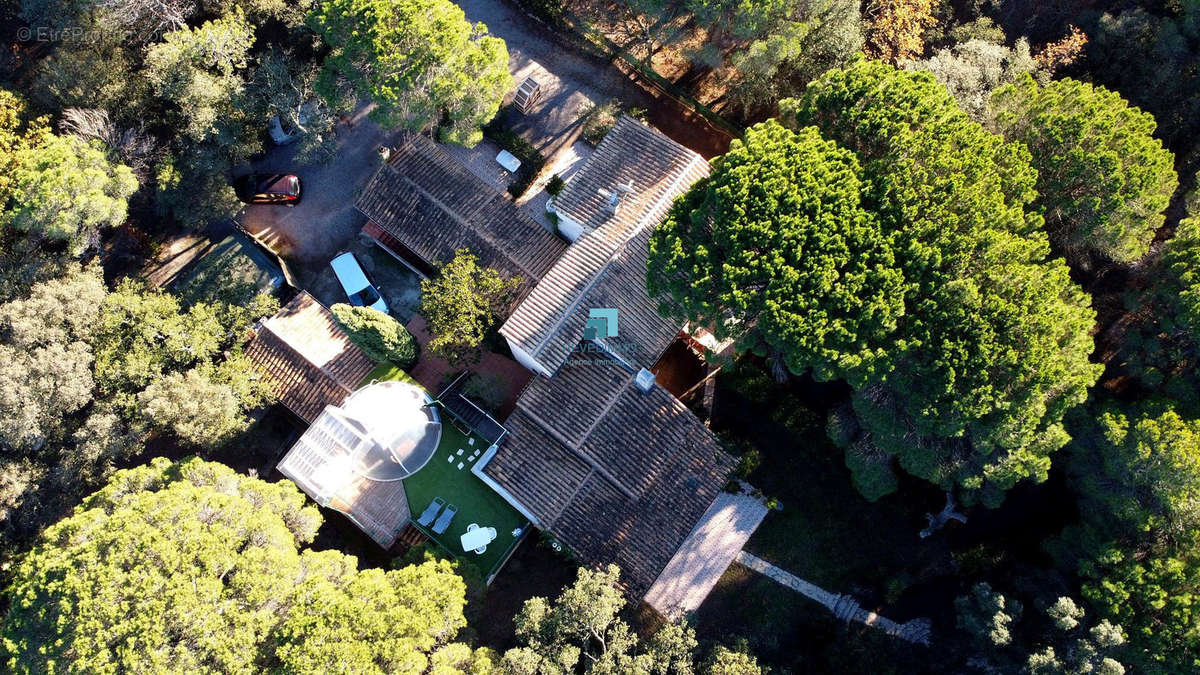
(843, 606)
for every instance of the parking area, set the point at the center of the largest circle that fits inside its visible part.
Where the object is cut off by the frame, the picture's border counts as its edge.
(325, 222)
(399, 286)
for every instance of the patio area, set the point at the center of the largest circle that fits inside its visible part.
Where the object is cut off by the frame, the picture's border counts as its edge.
(448, 476)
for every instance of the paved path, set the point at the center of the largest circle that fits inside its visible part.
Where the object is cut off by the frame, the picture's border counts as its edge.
(843, 607)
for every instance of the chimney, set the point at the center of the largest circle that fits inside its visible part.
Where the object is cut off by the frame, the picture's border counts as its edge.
(644, 381)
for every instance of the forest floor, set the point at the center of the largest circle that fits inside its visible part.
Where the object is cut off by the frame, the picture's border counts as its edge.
(530, 40)
(831, 536)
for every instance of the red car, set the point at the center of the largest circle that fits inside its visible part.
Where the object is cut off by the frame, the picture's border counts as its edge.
(268, 188)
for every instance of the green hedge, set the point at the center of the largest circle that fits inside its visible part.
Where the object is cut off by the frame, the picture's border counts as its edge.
(532, 161)
(377, 334)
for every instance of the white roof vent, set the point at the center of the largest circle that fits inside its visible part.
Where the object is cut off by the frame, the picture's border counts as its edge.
(613, 197)
(644, 381)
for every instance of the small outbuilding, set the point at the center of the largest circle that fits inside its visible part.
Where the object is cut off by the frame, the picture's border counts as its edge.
(354, 457)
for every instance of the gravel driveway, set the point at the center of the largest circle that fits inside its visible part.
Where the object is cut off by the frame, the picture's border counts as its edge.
(325, 221)
(586, 77)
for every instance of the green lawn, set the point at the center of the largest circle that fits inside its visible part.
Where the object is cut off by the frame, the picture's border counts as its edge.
(477, 503)
(385, 372)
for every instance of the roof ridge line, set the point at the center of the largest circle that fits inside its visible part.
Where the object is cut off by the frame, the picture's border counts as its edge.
(554, 433)
(595, 279)
(608, 406)
(570, 500)
(467, 224)
(620, 247)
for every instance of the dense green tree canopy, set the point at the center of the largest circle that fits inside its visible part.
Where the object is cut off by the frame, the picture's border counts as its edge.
(1157, 459)
(972, 70)
(1103, 179)
(201, 411)
(87, 375)
(196, 70)
(581, 631)
(1153, 58)
(1138, 476)
(143, 333)
(786, 44)
(15, 135)
(191, 566)
(66, 189)
(23, 261)
(462, 303)
(45, 357)
(1161, 343)
(931, 293)
(1006, 644)
(419, 60)
(1181, 261)
(1155, 595)
(369, 621)
(776, 239)
(40, 386)
(379, 335)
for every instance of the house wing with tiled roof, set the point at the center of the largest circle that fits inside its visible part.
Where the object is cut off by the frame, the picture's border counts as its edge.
(610, 207)
(618, 474)
(423, 203)
(308, 358)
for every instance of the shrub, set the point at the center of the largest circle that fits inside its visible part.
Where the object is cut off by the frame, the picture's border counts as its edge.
(550, 11)
(748, 463)
(598, 120)
(485, 390)
(377, 334)
(532, 161)
(555, 185)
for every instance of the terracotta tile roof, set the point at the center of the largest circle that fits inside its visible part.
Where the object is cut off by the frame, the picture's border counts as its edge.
(631, 154)
(328, 462)
(606, 267)
(617, 474)
(308, 356)
(547, 472)
(434, 206)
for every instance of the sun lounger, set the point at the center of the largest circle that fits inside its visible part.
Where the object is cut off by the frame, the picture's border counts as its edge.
(431, 512)
(443, 520)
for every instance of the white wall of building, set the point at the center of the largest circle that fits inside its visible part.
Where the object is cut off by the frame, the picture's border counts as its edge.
(526, 359)
(569, 228)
